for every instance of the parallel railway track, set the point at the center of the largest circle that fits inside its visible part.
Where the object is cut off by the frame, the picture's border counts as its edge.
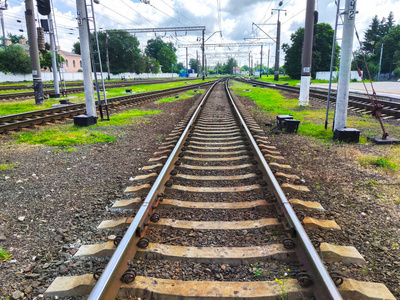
(78, 87)
(391, 109)
(38, 117)
(213, 184)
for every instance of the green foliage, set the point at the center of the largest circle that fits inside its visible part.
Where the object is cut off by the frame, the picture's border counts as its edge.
(16, 60)
(230, 64)
(45, 62)
(154, 46)
(193, 65)
(15, 38)
(321, 54)
(244, 68)
(183, 96)
(166, 57)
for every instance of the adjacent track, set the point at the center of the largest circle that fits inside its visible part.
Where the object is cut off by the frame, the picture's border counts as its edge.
(210, 184)
(38, 117)
(390, 108)
(78, 87)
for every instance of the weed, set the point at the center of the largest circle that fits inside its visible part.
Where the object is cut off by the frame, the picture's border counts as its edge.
(281, 281)
(159, 138)
(395, 246)
(257, 271)
(4, 254)
(7, 167)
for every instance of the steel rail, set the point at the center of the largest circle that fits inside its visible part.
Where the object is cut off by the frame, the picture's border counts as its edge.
(109, 283)
(391, 108)
(18, 121)
(79, 88)
(325, 287)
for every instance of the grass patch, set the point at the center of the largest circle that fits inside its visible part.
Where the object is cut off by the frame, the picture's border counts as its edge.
(64, 137)
(17, 107)
(188, 94)
(4, 167)
(70, 135)
(4, 254)
(382, 163)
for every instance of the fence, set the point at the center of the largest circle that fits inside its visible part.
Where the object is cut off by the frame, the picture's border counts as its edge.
(335, 74)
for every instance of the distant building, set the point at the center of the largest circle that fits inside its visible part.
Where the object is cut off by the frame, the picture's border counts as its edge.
(236, 70)
(72, 61)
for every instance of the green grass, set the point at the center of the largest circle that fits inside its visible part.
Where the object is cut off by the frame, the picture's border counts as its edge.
(182, 96)
(4, 254)
(382, 163)
(70, 135)
(17, 107)
(312, 120)
(293, 82)
(4, 167)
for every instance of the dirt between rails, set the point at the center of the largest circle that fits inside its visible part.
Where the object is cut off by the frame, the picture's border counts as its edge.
(52, 202)
(363, 201)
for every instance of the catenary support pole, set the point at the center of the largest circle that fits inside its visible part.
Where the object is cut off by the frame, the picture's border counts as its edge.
(261, 66)
(380, 63)
(34, 52)
(328, 99)
(203, 49)
(342, 97)
(86, 61)
(307, 54)
(53, 53)
(268, 62)
(2, 27)
(277, 50)
(107, 56)
(187, 70)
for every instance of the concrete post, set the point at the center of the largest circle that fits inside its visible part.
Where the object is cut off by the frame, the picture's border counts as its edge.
(34, 52)
(202, 48)
(107, 56)
(187, 70)
(86, 61)
(277, 51)
(53, 54)
(307, 55)
(342, 97)
(261, 61)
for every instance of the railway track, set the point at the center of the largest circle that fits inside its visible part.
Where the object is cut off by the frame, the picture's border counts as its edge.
(390, 108)
(44, 116)
(208, 208)
(80, 88)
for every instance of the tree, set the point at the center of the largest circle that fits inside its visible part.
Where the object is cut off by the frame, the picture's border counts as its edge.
(244, 68)
(166, 57)
(193, 64)
(321, 54)
(16, 60)
(391, 44)
(231, 63)
(15, 38)
(180, 66)
(371, 36)
(154, 46)
(123, 50)
(151, 64)
(45, 62)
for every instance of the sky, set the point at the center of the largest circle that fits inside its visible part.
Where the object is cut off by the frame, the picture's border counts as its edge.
(237, 17)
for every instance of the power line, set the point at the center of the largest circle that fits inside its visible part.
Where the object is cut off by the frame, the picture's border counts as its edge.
(179, 13)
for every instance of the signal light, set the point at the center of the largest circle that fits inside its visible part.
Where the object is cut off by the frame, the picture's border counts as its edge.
(44, 7)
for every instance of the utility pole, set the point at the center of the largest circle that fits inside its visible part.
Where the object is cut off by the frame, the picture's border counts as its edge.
(91, 113)
(380, 63)
(107, 56)
(342, 95)
(205, 65)
(3, 6)
(203, 48)
(307, 54)
(278, 43)
(197, 59)
(187, 70)
(249, 65)
(268, 62)
(53, 55)
(261, 61)
(34, 52)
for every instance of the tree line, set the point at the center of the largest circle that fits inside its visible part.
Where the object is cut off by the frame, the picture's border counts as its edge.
(379, 32)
